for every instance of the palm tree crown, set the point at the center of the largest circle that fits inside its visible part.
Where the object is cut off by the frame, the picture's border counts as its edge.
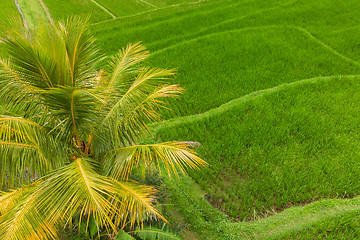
(72, 130)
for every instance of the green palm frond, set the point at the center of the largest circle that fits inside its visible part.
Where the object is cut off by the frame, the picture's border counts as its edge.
(132, 120)
(19, 95)
(125, 116)
(82, 53)
(122, 68)
(153, 233)
(74, 107)
(124, 236)
(145, 83)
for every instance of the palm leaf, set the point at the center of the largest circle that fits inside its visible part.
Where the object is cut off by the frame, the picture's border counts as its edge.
(153, 233)
(23, 220)
(82, 54)
(124, 236)
(134, 119)
(122, 66)
(74, 107)
(26, 150)
(173, 157)
(9, 199)
(77, 186)
(134, 202)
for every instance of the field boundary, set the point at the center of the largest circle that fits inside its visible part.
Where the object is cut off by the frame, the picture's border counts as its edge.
(231, 104)
(206, 29)
(154, 10)
(104, 9)
(300, 29)
(152, 5)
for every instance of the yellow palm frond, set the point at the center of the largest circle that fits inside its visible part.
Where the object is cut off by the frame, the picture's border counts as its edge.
(173, 157)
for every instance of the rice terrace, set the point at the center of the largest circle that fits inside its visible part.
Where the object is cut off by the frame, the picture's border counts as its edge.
(271, 102)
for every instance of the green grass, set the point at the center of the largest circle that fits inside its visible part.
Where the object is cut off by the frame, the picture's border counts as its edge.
(292, 146)
(233, 54)
(102, 10)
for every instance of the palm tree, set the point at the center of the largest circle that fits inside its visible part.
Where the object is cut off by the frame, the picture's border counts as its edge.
(73, 128)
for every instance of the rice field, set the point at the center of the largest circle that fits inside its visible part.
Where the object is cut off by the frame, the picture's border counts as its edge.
(282, 147)
(271, 95)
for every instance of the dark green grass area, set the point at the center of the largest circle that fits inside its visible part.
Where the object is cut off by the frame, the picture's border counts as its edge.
(288, 148)
(61, 9)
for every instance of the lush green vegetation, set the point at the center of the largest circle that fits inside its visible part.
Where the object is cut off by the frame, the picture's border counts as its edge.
(275, 133)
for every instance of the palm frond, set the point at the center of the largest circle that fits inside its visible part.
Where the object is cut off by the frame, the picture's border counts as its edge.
(75, 109)
(27, 151)
(145, 83)
(153, 233)
(132, 123)
(9, 199)
(82, 53)
(77, 186)
(122, 235)
(20, 96)
(23, 220)
(56, 199)
(123, 66)
(135, 203)
(173, 157)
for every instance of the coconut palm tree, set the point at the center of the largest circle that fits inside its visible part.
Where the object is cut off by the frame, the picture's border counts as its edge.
(73, 129)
